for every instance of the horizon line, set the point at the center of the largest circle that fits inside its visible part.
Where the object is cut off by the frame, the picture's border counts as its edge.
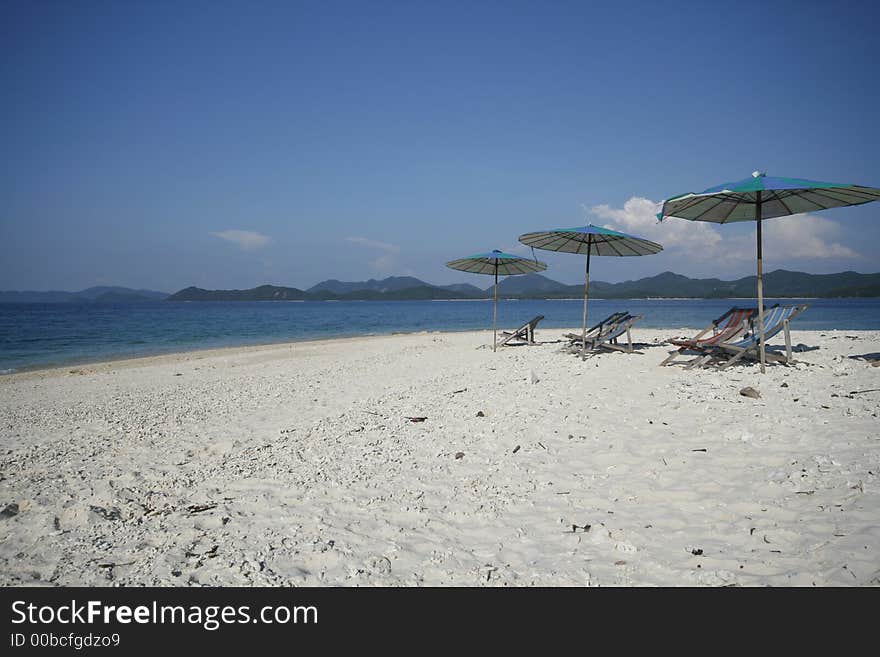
(435, 285)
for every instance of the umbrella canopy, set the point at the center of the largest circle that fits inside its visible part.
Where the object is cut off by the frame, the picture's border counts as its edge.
(779, 197)
(496, 263)
(590, 240)
(764, 197)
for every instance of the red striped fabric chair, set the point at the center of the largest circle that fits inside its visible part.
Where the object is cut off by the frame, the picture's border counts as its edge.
(726, 328)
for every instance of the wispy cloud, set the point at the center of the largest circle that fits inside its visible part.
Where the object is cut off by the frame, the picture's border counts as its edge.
(244, 239)
(385, 262)
(374, 244)
(800, 236)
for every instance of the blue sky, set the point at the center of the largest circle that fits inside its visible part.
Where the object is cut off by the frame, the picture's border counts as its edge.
(227, 145)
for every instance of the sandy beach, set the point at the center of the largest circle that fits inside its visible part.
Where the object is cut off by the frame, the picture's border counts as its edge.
(299, 464)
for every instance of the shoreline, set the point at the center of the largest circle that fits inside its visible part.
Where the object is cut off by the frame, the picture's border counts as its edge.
(232, 349)
(130, 360)
(203, 352)
(132, 335)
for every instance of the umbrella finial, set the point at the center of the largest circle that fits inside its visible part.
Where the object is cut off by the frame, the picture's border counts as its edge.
(758, 174)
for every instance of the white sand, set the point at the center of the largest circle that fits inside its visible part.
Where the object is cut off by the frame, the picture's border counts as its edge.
(312, 473)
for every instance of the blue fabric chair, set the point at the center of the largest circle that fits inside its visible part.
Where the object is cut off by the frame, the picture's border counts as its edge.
(776, 319)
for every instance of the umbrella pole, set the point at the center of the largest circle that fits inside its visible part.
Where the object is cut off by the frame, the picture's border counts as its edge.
(495, 315)
(586, 294)
(760, 282)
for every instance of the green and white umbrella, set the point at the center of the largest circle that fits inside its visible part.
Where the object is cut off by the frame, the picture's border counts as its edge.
(762, 197)
(590, 240)
(496, 263)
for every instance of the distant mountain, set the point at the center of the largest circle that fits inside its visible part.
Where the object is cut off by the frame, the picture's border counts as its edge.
(275, 293)
(532, 285)
(666, 284)
(390, 284)
(110, 292)
(782, 283)
(778, 283)
(466, 289)
(101, 294)
(261, 293)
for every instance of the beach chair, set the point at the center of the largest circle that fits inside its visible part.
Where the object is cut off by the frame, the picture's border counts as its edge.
(776, 319)
(726, 328)
(605, 326)
(525, 334)
(608, 336)
(609, 341)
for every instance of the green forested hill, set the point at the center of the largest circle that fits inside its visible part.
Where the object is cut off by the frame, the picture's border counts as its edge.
(779, 283)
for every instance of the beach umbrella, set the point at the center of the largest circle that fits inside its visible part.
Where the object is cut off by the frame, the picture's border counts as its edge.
(590, 240)
(497, 263)
(763, 197)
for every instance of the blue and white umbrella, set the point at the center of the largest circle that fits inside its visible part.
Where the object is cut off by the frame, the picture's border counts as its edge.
(590, 240)
(762, 197)
(496, 263)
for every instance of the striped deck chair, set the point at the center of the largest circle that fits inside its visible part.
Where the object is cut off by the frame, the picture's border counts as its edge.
(607, 337)
(776, 319)
(605, 326)
(623, 326)
(726, 328)
(525, 334)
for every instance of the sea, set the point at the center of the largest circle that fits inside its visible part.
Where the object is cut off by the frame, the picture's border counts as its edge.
(34, 336)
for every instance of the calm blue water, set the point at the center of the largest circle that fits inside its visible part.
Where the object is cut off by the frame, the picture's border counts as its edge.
(43, 335)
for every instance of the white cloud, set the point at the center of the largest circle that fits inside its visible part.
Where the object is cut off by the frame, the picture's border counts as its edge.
(638, 217)
(373, 244)
(245, 239)
(383, 264)
(806, 236)
(799, 236)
